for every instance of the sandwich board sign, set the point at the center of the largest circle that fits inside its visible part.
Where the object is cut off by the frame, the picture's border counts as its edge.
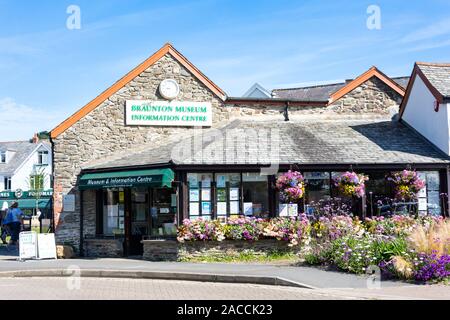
(46, 246)
(27, 245)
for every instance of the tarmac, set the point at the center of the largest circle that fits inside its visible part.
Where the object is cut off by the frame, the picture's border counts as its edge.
(260, 274)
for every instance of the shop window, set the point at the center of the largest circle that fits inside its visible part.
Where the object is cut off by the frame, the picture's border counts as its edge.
(114, 212)
(317, 186)
(37, 182)
(429, 197)
(163, 212)
(287, 209)
(228, 195)
(256, 190)
(200, 195)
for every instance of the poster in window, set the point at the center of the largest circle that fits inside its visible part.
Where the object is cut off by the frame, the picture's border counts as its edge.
(283, 210)
(206, 181)
(193, 180)
(234, 194)
(234, 207)
(194, 209)
(235, 180)
(293, 210)
(248, 208)
(206, 208)
(221, 195)
(113, 211)
(422, 204)
(68, 202)
(221, 181)
(139, 197)
(221, 208)
(194, 195)
(422, 193)
(206, 194)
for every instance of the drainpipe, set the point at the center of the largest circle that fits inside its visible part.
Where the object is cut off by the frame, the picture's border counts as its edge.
(81, 223)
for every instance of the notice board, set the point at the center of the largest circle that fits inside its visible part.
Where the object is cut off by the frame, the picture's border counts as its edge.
(46, 246)
(27, 245)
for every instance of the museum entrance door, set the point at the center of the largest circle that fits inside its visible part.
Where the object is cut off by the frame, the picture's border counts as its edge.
(139, 220)
(152, 215)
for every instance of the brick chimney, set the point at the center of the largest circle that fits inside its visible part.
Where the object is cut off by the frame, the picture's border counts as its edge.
(35, 138)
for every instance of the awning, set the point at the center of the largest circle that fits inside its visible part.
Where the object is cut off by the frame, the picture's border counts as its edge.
(156, 178)
(29, 203)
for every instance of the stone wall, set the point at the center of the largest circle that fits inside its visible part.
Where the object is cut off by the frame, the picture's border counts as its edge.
(373, 96)
(171, 250)
(103, 248)
(102, 133)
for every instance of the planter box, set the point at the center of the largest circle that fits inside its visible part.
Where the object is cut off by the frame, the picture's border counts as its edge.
(171, 250)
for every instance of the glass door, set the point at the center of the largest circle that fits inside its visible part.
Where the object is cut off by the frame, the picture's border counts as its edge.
(139, 223)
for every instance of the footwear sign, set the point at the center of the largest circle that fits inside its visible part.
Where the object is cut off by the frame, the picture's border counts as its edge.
(27, 245)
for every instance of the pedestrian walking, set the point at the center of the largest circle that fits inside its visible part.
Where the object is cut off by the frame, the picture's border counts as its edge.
(13, 221)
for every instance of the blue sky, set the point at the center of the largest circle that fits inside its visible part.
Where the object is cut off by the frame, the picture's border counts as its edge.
(47, 71)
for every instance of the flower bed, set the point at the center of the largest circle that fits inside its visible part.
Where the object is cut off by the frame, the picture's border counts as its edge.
(292, 230)
(402, 246)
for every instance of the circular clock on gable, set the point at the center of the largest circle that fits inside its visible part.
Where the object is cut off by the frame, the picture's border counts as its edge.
(169, 89)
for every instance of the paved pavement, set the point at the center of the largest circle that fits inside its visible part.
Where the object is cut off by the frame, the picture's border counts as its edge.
(303, 276)
(323, 282)
(144, 289)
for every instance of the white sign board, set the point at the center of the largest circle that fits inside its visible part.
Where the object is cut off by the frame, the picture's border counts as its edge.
(288, 210)
(69, 203)
(46, 246)
(168, 113)
(27, 245)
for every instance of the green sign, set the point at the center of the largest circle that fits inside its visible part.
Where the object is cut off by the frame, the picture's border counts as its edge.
(26, 194)
(168, 113)
(123, 179)
(120, 182)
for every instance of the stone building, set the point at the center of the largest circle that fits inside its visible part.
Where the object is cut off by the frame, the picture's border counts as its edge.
(165, 143)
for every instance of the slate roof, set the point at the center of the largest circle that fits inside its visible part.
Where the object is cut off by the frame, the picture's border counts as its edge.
(303, 142)
(402, 81)
(313, 93)
(438, 75)
(22, 150)
(322, 92)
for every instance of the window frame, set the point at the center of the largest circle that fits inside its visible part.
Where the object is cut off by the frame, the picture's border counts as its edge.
(214, 193)
(7, 183)
(41, 157)
(3, 157)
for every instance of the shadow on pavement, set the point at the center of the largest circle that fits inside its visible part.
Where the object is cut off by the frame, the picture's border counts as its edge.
(9, 252)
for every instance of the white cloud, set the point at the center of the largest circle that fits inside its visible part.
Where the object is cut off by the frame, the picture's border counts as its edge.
(20, 122)
(432, 31)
